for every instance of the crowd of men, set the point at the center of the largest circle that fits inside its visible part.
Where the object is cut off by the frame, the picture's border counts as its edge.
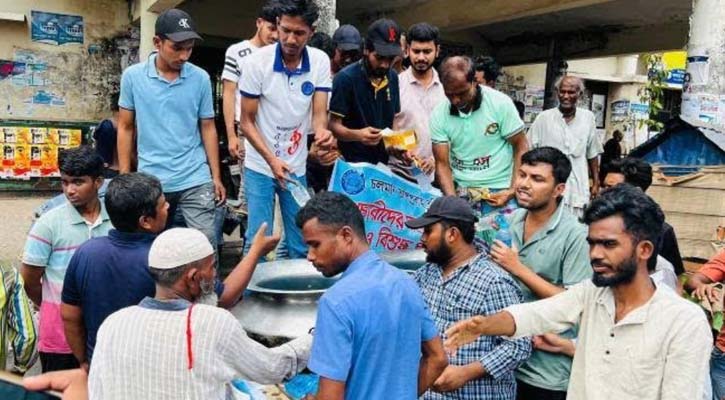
(582, 303)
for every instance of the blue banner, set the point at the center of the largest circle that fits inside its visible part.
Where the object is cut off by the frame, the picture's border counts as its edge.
(56, 29)
(386, 202)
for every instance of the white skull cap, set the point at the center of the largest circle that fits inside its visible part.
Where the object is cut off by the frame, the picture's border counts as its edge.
(178, 246)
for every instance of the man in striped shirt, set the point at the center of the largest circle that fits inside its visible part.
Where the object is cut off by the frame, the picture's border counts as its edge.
(53, 240)
(173, 346)
(231, 75)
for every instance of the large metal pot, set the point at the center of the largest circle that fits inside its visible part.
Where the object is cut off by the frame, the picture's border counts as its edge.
(281, 300)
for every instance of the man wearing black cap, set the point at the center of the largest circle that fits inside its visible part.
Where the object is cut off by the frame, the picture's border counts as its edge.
(366, 97)
(348, 45)
(460, 280)
(168, 102)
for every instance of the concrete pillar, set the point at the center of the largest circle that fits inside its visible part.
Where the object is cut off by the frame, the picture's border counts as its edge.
(327, 22)
(147, 22)
(627, 65)
(705, 79)
(555, 67)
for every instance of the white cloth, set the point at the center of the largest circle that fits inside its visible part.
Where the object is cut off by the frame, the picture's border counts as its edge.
(284, 116)
(578, 140)
(664, 274)
(233, 66)
(141, 353)
(660, 350)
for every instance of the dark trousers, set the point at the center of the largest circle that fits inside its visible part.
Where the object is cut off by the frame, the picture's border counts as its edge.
(524, 391)
(57, 362)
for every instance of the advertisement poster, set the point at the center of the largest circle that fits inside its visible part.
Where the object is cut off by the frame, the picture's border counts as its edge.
(620, 110)
(56, 29)
(386, 202)
(32, 152)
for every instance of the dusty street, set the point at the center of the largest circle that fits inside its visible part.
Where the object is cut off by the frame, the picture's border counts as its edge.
(17, 215)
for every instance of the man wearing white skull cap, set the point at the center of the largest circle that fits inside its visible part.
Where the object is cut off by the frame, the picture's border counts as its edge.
(174, 346)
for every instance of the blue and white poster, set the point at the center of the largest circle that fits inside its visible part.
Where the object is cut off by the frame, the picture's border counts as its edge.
(57, 29)
(386, 202)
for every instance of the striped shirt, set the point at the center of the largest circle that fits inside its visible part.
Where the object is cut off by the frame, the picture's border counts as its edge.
(478, 288)
(142, 353)
(233, 62)
(16, 322)
(51, 243)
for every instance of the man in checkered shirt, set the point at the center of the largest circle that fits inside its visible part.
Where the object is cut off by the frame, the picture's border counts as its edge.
(459, 281)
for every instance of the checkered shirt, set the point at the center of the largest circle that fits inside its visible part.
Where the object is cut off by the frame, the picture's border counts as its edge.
(479, 288)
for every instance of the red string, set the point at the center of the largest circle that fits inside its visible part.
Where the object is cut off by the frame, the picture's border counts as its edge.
(189, 353)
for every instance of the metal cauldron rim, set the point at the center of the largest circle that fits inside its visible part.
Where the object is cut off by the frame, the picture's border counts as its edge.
(285, 268)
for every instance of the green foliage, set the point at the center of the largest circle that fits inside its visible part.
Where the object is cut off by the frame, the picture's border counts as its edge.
(653, 92)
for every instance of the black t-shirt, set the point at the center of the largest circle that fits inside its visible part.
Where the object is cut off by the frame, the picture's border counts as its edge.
(359, 105)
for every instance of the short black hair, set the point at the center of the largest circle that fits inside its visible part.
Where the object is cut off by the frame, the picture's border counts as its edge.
(306, 9)
(467, 229)
(130, 197)
(422, 32)
(322, 41)
(332, 209)
(636, 171)
(269, 11)
(490, 68)
(643, 217)
(559, 162)
(81, 161)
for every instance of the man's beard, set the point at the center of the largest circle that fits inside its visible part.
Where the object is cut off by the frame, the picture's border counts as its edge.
(208, 295)
(624, 274)
(375, 72)
(439, 256)
(425, 68)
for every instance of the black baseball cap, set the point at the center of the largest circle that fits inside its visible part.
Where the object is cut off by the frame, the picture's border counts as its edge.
(385, 36)
(447, 207)
(176, 25)
(347, 37)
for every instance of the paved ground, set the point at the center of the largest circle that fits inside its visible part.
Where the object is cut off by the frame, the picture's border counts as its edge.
(17, 215)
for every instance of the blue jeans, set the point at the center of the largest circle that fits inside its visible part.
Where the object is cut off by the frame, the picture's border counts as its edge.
(717, 373)
(260, 190)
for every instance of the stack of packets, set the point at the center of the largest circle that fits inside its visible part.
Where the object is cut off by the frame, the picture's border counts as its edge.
(404, 140)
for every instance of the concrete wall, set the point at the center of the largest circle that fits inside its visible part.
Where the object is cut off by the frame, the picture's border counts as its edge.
(77, 78)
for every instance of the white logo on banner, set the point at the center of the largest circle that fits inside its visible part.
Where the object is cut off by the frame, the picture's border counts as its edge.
(184, 23)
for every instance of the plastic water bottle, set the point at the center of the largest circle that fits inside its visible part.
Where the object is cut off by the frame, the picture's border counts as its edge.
(299, 193)
(422, 178)
(504, 230)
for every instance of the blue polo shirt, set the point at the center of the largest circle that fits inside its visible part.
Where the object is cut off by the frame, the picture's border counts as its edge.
(107, 274)
(167, 122)
(369, 331)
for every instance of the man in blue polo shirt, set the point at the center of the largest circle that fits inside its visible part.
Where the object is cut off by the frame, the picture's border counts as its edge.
(109, 273)
(374, 336)
(366, 96)
(169, 103)
(284, 98)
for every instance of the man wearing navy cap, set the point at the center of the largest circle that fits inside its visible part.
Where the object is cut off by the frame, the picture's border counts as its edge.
(458, 280)
(348, 47)
(366, 97)
(168, 102)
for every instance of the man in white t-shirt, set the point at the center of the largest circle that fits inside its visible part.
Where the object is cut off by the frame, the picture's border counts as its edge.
(284, 98)
(573, 131)
(231, 99)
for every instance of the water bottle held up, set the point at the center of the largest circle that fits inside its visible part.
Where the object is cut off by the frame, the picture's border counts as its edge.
(299, 193)
(504, 230)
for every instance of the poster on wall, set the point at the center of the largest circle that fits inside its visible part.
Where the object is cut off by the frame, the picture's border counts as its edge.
(620, 110)
(386, 202)
(56, 29)
(32, 152)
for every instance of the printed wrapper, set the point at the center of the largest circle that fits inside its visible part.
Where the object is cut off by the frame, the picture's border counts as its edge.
(399, 140)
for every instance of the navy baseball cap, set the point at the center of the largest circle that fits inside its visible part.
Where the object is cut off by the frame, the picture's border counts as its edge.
(385, 36)
(447, 207)
(347, 37)
(176, 25)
